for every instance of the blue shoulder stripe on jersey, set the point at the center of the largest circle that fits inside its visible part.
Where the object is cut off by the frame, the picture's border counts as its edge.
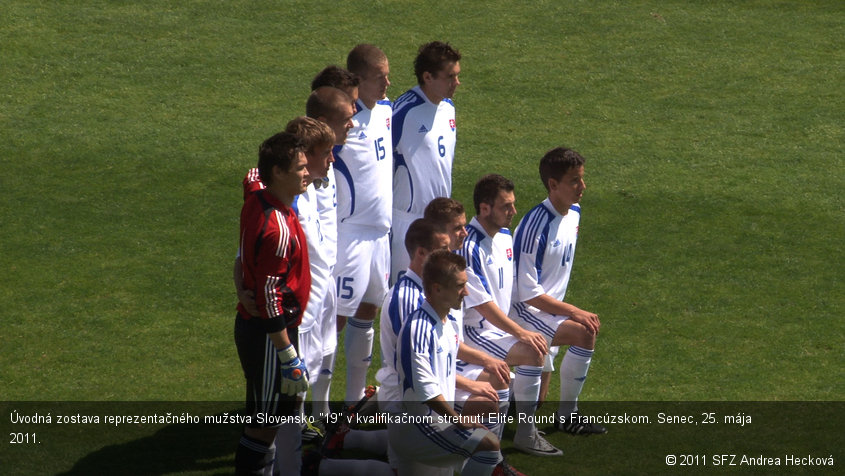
(577, 208)
(505, 231)
(295, 205)
(402, 304)
(341, 167)
(413, 340)
(449, 101)
(472, 253)
(527, 229)
(385, 102)
(535, 222)
(405, 103)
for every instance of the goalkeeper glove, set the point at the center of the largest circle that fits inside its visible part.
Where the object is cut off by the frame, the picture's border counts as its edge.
(294, 373)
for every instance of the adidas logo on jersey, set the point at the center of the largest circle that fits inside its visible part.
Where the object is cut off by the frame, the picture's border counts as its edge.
(362, 136)
(489, 260)
(556, 244)
(423, 129)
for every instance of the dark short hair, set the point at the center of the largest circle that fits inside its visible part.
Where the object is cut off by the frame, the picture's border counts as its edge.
(326, 101)
(487, 189)
(363, 57)
(557, 162)
(280, 150)
(443, 210)
(336, 77)
(421, 234)
(433, 58)
(440, 267)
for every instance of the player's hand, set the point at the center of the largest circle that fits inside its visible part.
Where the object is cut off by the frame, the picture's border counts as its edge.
(294, 372)
(484, 390)
(534, 340)
(247, 299)
(499, 372)
(588, 320)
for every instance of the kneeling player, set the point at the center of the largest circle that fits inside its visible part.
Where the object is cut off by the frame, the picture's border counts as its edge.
(427, 352)
(545, 240)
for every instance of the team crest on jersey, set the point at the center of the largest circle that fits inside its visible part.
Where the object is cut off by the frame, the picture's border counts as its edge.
(452, 124)
(387, 123)
(509, 253)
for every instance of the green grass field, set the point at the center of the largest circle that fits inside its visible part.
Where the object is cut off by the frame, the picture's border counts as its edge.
(712, 231)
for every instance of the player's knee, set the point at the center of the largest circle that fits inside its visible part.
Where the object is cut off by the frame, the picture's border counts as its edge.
(588, 340)
(537, 359)
(488, 443)
(366, 311)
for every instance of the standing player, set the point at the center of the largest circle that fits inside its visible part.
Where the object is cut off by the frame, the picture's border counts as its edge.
(335, 107)
(427, 351)
(318, 139)
(274, 260)
(424, 138)
(544, 252)
(488, 250)
(364, 170)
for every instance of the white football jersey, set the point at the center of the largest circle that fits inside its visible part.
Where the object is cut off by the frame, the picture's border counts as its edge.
(364, 169)
(491, 261)
(424, 138)
(544, 249)
(427, 352)
(327, 207)
(403, 299)
(305, 205)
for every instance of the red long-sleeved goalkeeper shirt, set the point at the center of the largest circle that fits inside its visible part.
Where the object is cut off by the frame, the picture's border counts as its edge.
(274, 259)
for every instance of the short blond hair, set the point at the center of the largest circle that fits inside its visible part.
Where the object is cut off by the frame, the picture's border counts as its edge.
(311, 132)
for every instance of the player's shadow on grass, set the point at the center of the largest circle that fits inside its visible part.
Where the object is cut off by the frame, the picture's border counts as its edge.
(175, 448)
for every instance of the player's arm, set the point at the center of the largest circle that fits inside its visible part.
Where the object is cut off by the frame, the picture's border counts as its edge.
(490, 311)
(528, 289)
(245, 296)
(497, 369)
(279, 307)
(546, 303)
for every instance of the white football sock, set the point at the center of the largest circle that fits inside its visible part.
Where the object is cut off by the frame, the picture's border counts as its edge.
(359, 352)
(482, 463)
(573, 372)
(526, 392)
(321, 388)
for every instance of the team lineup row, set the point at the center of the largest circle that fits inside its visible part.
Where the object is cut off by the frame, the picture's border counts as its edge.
(354, 196)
